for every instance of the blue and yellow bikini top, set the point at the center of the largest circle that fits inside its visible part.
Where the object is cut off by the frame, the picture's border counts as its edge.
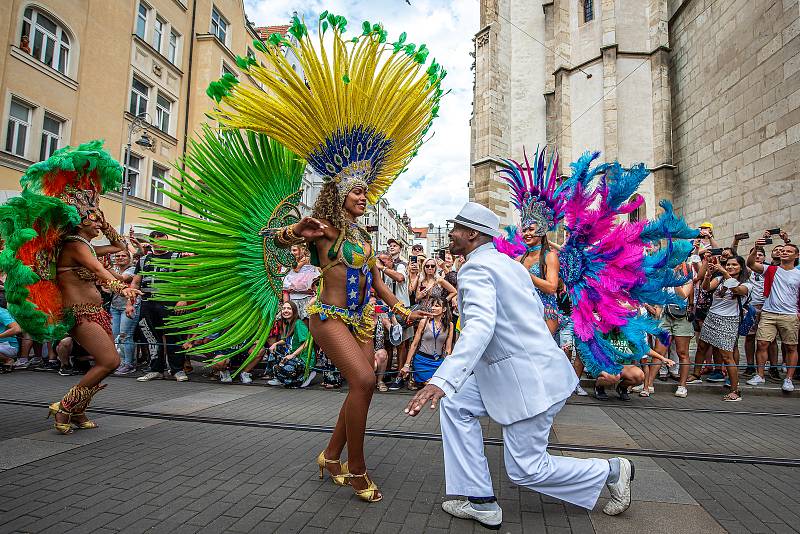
(354, 249)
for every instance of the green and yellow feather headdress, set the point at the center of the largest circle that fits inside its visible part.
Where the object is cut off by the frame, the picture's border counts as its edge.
(359, 113)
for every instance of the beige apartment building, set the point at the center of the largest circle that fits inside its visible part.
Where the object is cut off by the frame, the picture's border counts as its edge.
(76, 70)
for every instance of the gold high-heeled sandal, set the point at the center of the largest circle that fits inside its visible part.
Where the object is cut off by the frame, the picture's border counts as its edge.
(80, 408)
(371, 493)
(341, 478)
(63, 428)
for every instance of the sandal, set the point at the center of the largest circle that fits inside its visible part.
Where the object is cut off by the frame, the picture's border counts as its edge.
(369, 494)
(382, 387)
(62, 428)
(733, 396)
(341, 478)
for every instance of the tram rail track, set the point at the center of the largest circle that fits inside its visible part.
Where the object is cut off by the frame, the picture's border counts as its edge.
(430, 436)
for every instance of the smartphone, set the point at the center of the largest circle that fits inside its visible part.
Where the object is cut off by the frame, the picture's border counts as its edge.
(741, 236)
(768, 241)
(716, 252)
(441, 254)
(775, 231)
(413, 259)
(381, 309)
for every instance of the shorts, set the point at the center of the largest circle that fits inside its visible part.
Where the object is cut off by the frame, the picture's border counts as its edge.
(7, 349)
(772, 325)
(677, 327)
(565, 331)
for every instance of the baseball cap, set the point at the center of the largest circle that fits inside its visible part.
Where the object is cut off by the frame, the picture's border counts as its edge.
(708, 225)
(395, 241)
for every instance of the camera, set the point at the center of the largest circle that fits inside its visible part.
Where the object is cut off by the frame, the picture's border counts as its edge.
(741, 236)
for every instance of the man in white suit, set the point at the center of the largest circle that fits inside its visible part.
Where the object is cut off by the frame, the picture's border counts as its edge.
(506, 365)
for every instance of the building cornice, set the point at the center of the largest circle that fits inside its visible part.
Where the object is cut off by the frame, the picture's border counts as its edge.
(214, 38)
(44, 69)
(488, 159)
(12, 161)
(620, 53)
(169, 64)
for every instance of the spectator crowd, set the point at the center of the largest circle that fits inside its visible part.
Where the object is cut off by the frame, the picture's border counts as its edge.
(739, 313)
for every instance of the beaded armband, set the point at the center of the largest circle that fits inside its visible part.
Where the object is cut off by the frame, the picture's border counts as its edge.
(112, 235)
(401, 310)
(285, 237)
(115, 286)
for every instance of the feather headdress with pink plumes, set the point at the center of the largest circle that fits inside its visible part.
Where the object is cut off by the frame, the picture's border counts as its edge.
(604, 263)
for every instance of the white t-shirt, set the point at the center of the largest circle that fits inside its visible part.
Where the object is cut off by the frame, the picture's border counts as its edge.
(728, 304)
(400, 289)
(757, 294)
(783, 295)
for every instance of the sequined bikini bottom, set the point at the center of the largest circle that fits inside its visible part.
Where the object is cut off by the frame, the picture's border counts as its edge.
(91, 313)
(361, 322)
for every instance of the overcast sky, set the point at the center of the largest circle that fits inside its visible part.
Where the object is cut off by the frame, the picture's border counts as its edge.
(435, 186)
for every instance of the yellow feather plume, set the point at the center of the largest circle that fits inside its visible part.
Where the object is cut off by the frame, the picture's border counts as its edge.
(361, 112)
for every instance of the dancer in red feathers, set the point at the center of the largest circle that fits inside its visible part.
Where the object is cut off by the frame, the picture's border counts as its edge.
(53, 270)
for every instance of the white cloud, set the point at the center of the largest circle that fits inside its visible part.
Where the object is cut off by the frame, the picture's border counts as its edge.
(435, 186)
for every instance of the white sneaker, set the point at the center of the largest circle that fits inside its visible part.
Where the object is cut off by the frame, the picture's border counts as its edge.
(621, 489)
(756, 380)
(579, 391)
(274, 382)
(246, 378)
(788, 385)
(22, 363)
(491, 519)
(152, 375)
(681, 392)
(180, 376)
(637, 389)
(225, 377)
(308, 380)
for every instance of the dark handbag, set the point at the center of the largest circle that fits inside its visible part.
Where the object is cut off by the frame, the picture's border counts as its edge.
(675, 311)
(747, 317)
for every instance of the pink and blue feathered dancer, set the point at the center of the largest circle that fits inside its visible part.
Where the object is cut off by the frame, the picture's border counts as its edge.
(604, 264)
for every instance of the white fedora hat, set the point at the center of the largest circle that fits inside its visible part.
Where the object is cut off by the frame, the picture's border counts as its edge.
(479, 218)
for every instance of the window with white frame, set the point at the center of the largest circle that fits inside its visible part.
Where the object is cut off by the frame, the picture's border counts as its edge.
(51, 136)
(172, 48)
(142, 12)
(158, 33)
(133, 163)
(163, 111)
(219, 26)
(19, 127)
(48, 41)
(140, 94)
(158, 183)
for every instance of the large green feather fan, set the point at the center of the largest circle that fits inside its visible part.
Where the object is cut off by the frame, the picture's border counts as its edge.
(237, 185)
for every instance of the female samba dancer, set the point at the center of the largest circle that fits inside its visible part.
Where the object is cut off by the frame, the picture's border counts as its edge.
(53, 268)
(541, 261)
(535, 194)
(341, 320)
(78, 274)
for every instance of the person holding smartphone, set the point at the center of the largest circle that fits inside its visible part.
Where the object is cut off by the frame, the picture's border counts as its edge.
(779, 315)
(728, 282)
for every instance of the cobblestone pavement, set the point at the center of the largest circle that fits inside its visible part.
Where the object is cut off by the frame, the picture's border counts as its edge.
(146, 474)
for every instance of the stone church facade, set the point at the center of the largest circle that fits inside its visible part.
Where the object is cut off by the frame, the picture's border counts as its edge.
(705, 92)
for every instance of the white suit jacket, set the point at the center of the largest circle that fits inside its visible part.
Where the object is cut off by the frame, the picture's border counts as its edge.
(519, 368)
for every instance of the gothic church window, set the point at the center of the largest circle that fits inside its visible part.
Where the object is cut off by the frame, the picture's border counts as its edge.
(587, 8)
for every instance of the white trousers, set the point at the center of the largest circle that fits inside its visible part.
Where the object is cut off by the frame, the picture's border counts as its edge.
(575, 480)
